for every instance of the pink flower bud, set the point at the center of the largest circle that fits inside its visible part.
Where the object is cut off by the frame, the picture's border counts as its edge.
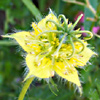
(77, 15)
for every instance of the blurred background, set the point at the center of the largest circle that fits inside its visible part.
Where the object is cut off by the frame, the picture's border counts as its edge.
(18, 15)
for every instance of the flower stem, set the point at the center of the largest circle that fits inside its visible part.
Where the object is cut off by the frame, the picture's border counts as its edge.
(91, 8)
(75, 2)
(88, 5)
(25, 88)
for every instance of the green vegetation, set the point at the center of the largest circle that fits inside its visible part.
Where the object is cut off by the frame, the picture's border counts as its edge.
(17, 15)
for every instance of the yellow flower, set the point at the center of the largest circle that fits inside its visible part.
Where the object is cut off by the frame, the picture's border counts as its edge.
(49, 54)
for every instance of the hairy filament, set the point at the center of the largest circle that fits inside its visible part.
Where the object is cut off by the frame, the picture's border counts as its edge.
(76, 22)
(57, 25)
(65, 21)
(88, 32)
(53, 83)
(73, 48)
(80, 42)
(43, 54)
(61, 42)
(50, 31)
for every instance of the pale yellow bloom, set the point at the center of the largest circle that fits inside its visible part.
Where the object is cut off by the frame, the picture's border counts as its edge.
(43, 59)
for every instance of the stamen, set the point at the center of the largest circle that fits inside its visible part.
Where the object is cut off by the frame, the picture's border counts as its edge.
(53, 60)
(36, 28)
(41, 55)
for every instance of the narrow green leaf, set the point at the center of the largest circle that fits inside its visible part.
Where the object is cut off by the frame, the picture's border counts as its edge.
(42, 4)
(32, 8)
(93, 94)
(7, 43)
(98, 13)
(59, 7)
(98, 9)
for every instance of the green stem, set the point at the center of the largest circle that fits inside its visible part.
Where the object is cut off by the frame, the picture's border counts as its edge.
(88, 5)
(73, 48)
(25, 88)
(85, 5)
(57, 25)
(75, 2)
(65, 21)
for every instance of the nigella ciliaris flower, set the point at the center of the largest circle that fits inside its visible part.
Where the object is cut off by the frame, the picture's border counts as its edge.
(54, 47)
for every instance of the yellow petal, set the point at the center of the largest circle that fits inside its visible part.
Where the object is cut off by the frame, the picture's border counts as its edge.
(42, 24)
(78, 35)
(67, 72)
(69, 25)
(42, 69)
(36, 29)
(22, 38)
(84, 56)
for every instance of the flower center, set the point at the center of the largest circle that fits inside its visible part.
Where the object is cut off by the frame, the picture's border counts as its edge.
(64, 34)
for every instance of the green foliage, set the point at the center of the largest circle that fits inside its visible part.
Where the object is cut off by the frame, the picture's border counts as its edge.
(18, 15)
(33, 9)
(88, 13)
